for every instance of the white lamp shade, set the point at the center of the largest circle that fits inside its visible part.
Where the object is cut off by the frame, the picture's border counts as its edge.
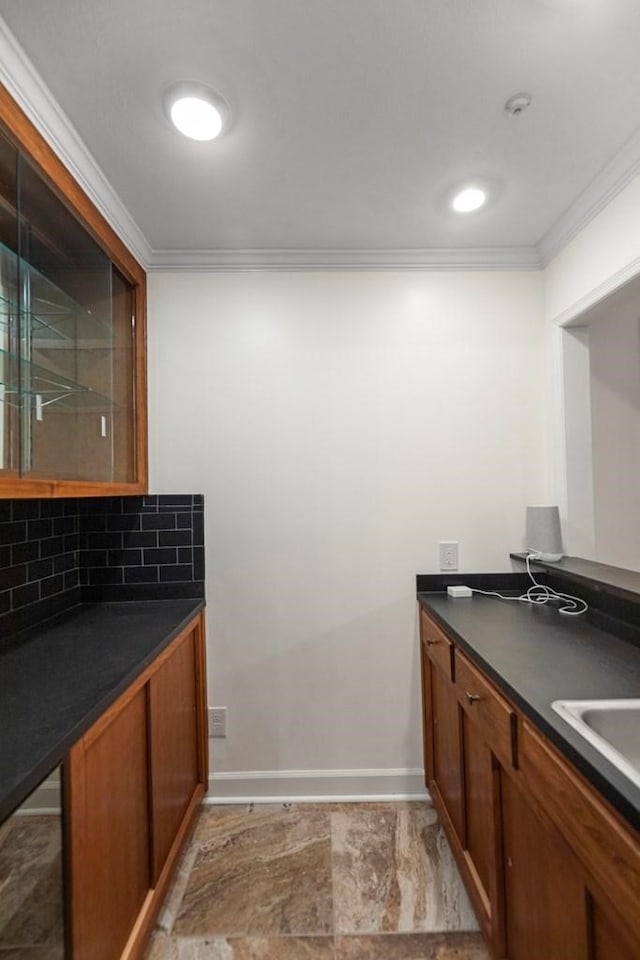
(543, 536)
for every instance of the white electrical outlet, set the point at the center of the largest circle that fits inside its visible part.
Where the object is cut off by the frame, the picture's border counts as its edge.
(448, 554)
(218, 722)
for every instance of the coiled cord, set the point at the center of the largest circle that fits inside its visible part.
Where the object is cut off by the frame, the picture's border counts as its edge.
(540, 594)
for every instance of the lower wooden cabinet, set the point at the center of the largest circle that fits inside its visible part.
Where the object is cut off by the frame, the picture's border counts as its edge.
(553, 906)
(107, 833)
(463, 779)
(552, 872)
(445, 747)
(545, 901)
(177, 765)
(132, 785)
(607, 940)
(482, 818)
(604, 852)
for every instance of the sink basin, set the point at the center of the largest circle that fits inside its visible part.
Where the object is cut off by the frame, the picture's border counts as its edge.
(611, 726)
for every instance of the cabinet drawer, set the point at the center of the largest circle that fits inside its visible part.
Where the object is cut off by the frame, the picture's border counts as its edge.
(437, 645)
(486, 706)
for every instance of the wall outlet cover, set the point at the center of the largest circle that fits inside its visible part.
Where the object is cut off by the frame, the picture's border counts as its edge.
(448, 554)
(217, 722)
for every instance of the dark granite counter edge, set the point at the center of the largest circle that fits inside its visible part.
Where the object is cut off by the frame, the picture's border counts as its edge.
(601, 578)
(43, 764)
(587, 759)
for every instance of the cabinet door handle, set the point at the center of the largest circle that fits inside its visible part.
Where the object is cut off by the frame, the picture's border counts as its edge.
(472, 697)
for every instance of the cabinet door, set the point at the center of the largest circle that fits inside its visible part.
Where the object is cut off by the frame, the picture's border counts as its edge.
(481, 842)
(608, 939)
(176, 719)
(609, 850)
(447, 746)
(76, 346)
(107, 830)
(545, 896)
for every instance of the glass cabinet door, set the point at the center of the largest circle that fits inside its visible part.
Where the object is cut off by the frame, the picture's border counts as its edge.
(77, 344)
(68, 341)
(9, 314)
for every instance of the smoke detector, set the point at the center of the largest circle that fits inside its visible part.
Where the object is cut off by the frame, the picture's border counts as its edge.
(517, 104)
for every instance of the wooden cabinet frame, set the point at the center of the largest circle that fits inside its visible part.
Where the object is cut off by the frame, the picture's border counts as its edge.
(97, 923)
(27, 138)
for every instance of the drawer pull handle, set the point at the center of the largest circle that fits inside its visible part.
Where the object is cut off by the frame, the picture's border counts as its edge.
(432, 643)
(472, 697)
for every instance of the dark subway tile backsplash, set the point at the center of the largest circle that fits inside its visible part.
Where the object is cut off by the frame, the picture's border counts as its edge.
(140, 574)
(129, 546)
(160, 555)
(150, 530)
(55, 553)
(159, 520)
(32, 583)
(26, 510)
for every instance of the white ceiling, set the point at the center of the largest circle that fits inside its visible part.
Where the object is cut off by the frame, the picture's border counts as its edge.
(351, 118)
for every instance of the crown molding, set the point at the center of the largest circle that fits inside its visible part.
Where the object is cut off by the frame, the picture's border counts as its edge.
(607, 184)
(32, 95)
(489, 258)
(578, 313)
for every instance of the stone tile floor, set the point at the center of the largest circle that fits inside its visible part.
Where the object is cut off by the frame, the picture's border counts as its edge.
(361, 881)
(344, 881)
(31, 925)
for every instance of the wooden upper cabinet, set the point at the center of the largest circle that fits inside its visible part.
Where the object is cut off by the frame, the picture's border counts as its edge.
(72, 332)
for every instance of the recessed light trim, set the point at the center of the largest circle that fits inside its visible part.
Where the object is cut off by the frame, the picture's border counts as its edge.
(195, 110)
(468, 199)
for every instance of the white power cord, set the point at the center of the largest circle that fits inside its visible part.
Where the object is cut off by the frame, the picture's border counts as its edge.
(540, 594)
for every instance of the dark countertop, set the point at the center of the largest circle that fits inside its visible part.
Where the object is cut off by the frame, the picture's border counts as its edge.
(56, 680)
(536, 655)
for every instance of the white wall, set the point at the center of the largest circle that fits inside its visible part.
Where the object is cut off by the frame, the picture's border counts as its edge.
(615, 417)
(603, 255)
(340, 425)
(592, 280)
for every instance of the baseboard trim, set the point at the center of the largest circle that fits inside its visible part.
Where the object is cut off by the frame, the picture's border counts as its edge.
(45, 800)
(318, 786)
(279, 786)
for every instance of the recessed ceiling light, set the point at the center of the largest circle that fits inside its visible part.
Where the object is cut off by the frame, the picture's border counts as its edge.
(469, 199)
(195, 110)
